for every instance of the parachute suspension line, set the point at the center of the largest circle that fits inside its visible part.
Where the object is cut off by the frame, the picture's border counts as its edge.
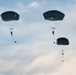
(11, 31)
(12, 34)
(53, 33)
(62, 52)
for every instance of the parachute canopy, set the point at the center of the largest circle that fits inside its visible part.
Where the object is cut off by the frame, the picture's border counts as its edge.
(53, 15)
(9, 16)
(62, 41)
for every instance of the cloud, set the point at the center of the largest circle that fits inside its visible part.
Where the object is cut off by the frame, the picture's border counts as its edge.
(22, 9)
(70, 69)
(40, 65)
(19, 66)
(34, 5)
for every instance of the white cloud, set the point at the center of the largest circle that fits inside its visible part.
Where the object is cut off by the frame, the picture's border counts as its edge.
(21, 8)
(34, 5)
(41, 65)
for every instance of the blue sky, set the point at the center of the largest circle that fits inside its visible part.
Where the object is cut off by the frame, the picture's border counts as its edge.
(34, 53)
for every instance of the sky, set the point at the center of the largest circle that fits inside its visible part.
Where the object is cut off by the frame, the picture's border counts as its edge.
(34, 53)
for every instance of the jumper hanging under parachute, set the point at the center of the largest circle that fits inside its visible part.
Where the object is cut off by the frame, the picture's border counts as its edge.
(53, 32)
(10, 16)
(11, 31)
(62, 41)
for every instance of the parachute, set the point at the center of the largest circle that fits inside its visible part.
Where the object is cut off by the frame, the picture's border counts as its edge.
(53, 15)
(9, 16)
(62, 41)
